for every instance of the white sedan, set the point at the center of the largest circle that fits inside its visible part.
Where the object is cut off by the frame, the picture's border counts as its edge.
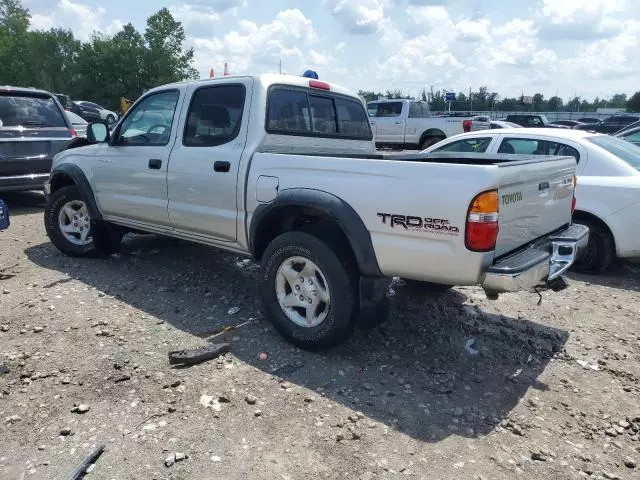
(608, 189)
(106, 115)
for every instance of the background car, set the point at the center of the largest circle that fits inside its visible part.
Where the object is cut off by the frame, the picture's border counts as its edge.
(608, 189)
(567, 123)
(64, 100)
(628, 127)
(630, 135)
(492, 125)
(33, 128)
(612, 124)
(90, 114)
(529, 120)
(589, 120)
(107, 115)
(78, 123)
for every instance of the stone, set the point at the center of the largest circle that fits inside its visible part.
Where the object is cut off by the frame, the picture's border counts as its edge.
(180, 456)
(215, 458)
(250, 399)
(457, 412)
(257, 413)
(82, 408)
(4, 328)
(611, 476)
(339, 437)
(13, 419)
(38, 329)
(539, 456)
(630, 462)
(170, 460)
(233, 310)
(517, 429)
(65, 432)
(611, 432)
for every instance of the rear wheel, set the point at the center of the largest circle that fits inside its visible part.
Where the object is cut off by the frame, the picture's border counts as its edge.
(309, 290)
(600, 252)
(71, 229)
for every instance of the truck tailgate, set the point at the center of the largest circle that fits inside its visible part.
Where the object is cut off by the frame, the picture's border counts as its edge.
(535, 199)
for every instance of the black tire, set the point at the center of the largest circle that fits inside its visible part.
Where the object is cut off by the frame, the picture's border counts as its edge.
(110, 119)
(428, 141)
(104, 239)
(341, 275)
(600, 252)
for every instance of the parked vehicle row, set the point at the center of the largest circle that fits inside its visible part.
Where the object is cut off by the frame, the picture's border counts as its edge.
(285, 169)
(608, 192)
(89, 111)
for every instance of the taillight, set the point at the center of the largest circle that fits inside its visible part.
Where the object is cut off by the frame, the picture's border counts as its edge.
(319, 84)
(466, 126)
(72, 132)
(482, 222)
(573, 201)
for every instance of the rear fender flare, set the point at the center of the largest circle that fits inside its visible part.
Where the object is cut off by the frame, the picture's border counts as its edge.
(332, 207)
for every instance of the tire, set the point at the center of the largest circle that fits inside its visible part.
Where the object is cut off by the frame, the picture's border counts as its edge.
(600, 252)
(428, 141)
(110, 119)
(336, 268)
(101, 239)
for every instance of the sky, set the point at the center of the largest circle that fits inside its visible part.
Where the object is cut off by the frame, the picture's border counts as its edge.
(587, 48)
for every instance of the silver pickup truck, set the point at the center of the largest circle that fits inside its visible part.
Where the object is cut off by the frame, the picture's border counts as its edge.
(285, 169)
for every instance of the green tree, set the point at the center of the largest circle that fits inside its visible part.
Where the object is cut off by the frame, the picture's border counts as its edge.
(539, 105)
(619, 100)
(554, 104)
(633, 103)
(14, 22)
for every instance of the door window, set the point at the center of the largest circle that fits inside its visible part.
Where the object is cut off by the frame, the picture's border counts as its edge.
(469, 145)
(215, 116)
(415, 110)
(149, 123)
(530, 146)
(389, 109)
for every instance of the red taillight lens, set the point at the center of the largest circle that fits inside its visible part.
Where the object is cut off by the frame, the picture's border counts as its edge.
(72, 132)
(319, 84)
(482, 222)
(466, 126)
(573, 201)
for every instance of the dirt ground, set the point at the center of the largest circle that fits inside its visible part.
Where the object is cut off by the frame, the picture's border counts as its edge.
(540, 391)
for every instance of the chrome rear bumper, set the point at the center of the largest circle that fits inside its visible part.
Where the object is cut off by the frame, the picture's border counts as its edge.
(540, 263)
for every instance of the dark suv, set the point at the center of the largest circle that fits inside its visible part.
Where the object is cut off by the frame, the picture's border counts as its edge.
(33, 128)
(612, 124)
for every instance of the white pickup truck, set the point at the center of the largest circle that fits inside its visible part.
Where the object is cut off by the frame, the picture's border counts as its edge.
(284, 169)
(408, 124)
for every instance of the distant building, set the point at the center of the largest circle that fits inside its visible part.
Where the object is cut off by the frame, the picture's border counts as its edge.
(610, 111)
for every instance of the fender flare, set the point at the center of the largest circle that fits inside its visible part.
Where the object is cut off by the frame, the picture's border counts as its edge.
(77, 175)
(333, 207)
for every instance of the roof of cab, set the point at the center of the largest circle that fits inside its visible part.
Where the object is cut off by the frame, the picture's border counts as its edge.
(266, 80)
(9, 88)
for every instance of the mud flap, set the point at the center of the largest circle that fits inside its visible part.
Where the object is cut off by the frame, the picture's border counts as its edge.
(374, 302)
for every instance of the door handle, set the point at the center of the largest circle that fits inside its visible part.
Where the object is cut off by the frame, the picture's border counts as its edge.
(221, 166)
(543, 186)
(155, 163)
(398, 122)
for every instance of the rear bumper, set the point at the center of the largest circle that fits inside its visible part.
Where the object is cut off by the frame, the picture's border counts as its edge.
(543, 261)
(34, 181)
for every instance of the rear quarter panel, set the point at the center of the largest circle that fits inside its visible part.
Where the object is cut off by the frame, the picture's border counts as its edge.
(429, 202)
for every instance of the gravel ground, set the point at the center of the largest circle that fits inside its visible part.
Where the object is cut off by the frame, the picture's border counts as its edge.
(540, 391)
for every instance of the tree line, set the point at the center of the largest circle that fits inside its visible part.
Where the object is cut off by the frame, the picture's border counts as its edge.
(102, 69)
(483, 100)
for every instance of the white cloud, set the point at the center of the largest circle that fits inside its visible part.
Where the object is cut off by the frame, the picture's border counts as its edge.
(259, 46)
(516, 27)
(197, 21)
(358, 16)
(474, 31)
(580, 19)
(82, 19)
(428, 15)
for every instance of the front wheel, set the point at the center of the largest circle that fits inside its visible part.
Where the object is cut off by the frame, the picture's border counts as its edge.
(71, 229)
(428, 141)
(309, 290)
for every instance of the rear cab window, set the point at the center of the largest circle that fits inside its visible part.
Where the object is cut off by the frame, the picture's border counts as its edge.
(532, 146)
(305, 112)
(25, 109)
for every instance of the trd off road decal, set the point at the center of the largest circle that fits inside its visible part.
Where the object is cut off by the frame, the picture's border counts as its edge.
(438, 226)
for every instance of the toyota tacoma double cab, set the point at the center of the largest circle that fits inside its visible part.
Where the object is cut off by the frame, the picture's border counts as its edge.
(284, 169)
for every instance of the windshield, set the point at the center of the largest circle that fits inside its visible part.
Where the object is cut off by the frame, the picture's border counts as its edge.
(622, 149)
(29, 111)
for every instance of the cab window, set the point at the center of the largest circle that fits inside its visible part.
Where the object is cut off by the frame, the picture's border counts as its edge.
(149, 123)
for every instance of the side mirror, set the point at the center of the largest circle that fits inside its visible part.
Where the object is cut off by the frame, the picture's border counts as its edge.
(97, 132)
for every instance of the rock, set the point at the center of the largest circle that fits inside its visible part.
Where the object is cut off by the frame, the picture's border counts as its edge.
(367, 386)
(308, 399)
(224, 399)
(257, 413)
(624, 424)
(233, 310)
(263, 356)
(630, 462)
(517, 429)
(250, 399)
(38, 329)
(42, 447)
(339, 437)
(611, 476)
(539, 456)
(122, 378)
(533, 403)
(457, 412)
(4, 328)
(170, 460)
(65, 432)
(611, 432)
(82, 408)
(180, 456)
(6, 292)
(13, 419)
(215, 458)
